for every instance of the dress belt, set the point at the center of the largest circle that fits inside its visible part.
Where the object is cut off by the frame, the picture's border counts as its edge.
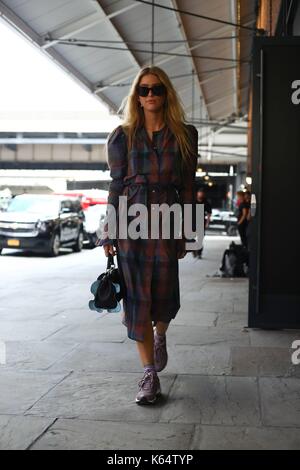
(152, 186)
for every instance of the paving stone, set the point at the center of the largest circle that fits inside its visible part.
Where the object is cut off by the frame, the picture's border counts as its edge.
(241, 305)
(205, 293)
(16, 314)
(190, 306)
(273, 338)
(35, 355)
(232, 320)
(213, 400)
(97, 435)
(280, 401)
(208, 304)
(93, 332)
(251, 361)
(204, 360)
(74, 316)
(198, 335)
(20, 390)
(198, 318)
(100, 396)
(245, 438)
(188, 281)
(18, 432)
(124, 357)
(101, 356)
(62, 292)
(20, 331)
(229, 286)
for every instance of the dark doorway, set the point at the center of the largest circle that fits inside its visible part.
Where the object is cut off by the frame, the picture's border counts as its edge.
(274, 300)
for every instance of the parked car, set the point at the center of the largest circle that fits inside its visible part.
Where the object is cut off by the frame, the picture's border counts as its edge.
(94, 223)
(224, 221)
(88, 197)
(42, 223)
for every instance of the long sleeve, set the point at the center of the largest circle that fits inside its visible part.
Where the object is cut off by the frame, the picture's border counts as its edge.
(187, 193)
(117, 162)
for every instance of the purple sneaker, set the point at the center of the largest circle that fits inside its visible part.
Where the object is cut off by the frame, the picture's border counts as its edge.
(149, 389)
(160, 352)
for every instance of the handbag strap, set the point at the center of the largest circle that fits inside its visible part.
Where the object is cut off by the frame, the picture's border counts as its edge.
(110, 262)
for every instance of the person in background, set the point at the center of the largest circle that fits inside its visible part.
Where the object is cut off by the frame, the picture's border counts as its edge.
(248, 202)
(202, 199)
(248, 228)
(242, 216)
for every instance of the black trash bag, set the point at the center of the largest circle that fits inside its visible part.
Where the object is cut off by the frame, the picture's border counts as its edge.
(235, 261)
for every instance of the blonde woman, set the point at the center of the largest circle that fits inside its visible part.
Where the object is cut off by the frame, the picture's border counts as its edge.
(152, 158)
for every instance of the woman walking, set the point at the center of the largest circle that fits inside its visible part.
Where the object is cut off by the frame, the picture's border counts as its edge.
(152, 158)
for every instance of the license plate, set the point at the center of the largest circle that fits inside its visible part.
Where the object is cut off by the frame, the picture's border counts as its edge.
(13, 242)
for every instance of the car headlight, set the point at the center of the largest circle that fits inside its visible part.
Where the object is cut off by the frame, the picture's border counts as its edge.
(41, 226)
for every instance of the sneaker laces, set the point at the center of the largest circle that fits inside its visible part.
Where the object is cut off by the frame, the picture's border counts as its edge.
(145, 382)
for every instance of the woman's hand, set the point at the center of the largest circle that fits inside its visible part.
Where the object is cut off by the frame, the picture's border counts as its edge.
(109, 249)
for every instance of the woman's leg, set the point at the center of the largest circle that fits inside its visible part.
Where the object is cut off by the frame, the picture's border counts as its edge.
(149, 386)
(161, 327)
(160, 346)
(146, 348)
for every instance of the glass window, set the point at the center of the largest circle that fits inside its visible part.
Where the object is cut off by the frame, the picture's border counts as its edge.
(34, 205)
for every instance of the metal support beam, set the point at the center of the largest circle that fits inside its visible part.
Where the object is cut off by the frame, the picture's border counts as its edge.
(188, 50)
(84, 24)
(10, 141)
(124, 76)
(224, 96)
(218, 32)
(235, 52)
(130, 54)
(20, 25)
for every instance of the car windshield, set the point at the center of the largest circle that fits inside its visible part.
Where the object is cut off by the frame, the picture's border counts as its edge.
(34, 205)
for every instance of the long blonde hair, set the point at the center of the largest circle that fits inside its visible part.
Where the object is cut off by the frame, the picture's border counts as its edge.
(174, 115)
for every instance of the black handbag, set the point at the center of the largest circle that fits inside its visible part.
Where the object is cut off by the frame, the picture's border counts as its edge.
(108, 289)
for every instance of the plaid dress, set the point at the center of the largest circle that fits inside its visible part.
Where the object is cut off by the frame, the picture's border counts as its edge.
(149, 173)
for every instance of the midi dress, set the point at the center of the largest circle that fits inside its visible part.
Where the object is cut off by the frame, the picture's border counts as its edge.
(149, 174)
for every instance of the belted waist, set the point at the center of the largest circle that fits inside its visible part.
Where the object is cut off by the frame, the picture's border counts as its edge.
(141, 181)
(152, 185)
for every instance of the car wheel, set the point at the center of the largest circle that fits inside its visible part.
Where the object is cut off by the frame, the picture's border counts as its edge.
(0, 251)
(93, 241)
(55, 245)
(231, 231)
(79, 242)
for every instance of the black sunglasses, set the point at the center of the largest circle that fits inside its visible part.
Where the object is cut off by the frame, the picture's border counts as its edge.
(157, 90)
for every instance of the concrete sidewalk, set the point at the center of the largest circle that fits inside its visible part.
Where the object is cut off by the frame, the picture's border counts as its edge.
(71, 375)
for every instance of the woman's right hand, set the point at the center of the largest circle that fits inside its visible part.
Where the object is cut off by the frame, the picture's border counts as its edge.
(109, 249)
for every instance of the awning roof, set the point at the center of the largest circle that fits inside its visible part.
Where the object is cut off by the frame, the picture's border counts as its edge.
(217, 91)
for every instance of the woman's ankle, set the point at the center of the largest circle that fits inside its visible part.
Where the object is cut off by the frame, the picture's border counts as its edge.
(149, 368)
